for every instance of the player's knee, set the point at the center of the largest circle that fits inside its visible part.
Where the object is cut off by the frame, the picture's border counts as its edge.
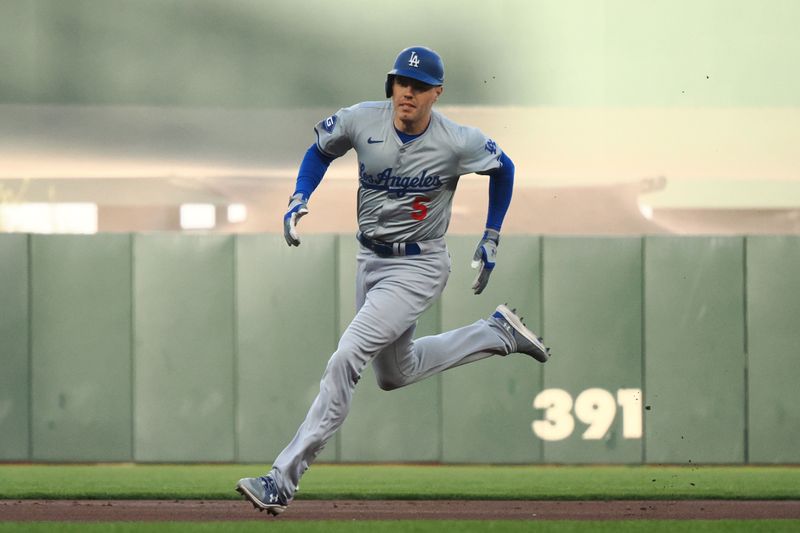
(389, 382)
(342, 365)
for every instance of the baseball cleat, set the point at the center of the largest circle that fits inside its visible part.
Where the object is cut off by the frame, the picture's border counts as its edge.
(526, 341)
(263, 493)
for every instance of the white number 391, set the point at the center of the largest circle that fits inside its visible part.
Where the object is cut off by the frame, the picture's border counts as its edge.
(594, 407)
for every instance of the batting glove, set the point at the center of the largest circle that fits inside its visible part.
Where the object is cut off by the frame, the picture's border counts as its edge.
(485, 258)
(297, 209)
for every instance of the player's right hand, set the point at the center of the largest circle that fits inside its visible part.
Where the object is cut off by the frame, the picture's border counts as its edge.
(297, 209)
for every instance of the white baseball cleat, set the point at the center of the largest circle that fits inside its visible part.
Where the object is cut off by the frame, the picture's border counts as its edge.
(525, 340)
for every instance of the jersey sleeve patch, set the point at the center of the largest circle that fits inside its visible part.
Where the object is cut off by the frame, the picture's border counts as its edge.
(479, 153)
(332, 134)
(329, 123)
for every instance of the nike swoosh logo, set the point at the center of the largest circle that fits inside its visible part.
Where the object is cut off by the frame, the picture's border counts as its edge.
(370, 140)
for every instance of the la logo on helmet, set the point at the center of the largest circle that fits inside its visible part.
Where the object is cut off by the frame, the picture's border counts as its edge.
(414, 61)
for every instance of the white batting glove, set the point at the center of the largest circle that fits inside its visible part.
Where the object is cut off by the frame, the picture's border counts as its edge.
(297, 209)
(485, 258)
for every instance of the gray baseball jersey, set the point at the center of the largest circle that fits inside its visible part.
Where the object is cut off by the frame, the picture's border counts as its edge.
(405, 190)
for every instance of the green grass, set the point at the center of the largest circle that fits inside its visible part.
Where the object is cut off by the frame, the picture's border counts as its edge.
(406, 482)
(421, 526)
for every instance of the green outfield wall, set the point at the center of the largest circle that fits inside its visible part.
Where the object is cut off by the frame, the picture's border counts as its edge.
(209, 348)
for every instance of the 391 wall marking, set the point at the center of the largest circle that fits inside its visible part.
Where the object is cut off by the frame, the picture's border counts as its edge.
(595, 407)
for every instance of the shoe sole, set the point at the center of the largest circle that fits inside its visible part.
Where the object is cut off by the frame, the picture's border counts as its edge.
(517, 324)
(272, 509)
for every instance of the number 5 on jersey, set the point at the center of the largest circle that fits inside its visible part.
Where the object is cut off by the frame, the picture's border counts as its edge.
(420, 209)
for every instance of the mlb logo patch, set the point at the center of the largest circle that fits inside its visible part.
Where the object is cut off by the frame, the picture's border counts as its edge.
(329, 123)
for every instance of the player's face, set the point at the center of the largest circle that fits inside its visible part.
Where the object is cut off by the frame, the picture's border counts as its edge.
(412, 102)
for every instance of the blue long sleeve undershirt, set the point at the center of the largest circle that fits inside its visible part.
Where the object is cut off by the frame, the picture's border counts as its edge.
(313, 167)
(501, 183)
(501, 186)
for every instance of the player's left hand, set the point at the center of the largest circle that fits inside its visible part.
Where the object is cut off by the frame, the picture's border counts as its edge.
(296, 210)
(485, 258)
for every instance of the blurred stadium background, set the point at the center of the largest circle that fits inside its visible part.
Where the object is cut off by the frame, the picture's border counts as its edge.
(174, 128)
(623, 117)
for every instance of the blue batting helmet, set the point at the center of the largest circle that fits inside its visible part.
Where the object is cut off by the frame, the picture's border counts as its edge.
(419, 63)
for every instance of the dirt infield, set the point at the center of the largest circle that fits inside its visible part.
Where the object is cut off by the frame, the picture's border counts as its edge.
(203, 511)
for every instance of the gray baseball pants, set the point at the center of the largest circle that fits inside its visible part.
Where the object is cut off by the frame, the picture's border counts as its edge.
(391, 294)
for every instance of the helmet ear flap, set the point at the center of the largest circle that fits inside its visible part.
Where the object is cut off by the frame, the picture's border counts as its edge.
(389, 83)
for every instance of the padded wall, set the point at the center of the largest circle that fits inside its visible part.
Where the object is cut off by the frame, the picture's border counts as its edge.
(593, 321)
(694, 344)
(80, 349)
(773, 334)
(184, 346)
(286, 329)
(15, 383)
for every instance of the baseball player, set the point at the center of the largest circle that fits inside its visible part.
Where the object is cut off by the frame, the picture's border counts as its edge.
(409, 160)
